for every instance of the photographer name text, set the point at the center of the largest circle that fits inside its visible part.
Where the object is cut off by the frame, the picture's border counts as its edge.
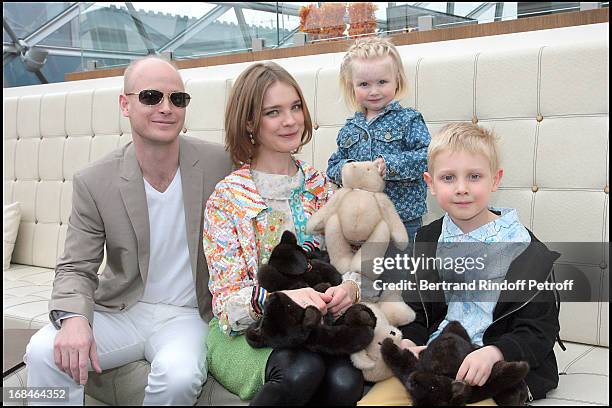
(483, 284)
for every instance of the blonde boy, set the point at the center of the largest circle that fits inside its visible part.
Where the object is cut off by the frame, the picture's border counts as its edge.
(463, 170)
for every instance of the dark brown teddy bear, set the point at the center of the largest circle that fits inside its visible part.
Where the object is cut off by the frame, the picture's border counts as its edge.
(291, 267)
(286, 325)
(430, 379)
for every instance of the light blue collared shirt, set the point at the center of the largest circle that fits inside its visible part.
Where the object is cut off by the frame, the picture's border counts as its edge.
(469, 308)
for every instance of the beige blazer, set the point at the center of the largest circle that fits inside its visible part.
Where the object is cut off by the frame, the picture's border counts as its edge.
(109, 208)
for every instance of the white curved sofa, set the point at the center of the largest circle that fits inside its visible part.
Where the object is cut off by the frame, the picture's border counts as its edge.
(549, 104)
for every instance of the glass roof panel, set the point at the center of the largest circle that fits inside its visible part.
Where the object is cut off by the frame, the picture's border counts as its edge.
(25, 18)
(113, 33)
(114, 27)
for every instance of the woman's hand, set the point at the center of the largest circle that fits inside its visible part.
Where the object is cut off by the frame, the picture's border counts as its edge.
(476, 366)
(309, 297)
(410, 345)
(341, 298)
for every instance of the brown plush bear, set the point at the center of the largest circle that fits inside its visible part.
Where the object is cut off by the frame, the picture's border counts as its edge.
(291, 267)
(430, 379)
(287, 325)
(359, 213)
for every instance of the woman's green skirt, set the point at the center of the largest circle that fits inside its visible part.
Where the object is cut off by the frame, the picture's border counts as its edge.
(237, 366)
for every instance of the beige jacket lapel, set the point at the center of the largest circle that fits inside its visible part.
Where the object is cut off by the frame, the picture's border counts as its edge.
(135, 201)
(192, 177)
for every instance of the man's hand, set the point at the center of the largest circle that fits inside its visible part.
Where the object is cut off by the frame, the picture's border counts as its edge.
(341, 298)
(476, 367)
(309, 297)
(74, 346)
(381, 165)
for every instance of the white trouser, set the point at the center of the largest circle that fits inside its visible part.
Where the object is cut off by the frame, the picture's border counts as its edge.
(171, 338)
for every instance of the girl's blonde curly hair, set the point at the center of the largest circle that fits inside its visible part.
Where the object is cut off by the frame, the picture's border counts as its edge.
(370, 48)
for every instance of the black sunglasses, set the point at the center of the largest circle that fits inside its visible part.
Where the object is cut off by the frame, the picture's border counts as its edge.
(153, 97)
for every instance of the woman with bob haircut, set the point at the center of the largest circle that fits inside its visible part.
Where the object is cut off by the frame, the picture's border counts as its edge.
(266, 122)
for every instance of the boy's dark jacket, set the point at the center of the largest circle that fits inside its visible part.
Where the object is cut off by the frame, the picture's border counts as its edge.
(523, 330)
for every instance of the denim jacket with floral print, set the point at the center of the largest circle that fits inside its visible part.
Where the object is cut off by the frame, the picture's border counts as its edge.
(400, 136)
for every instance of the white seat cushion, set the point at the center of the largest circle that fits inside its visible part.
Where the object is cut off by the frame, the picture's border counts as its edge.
(11, 216)
(26, 294)
(583, 376)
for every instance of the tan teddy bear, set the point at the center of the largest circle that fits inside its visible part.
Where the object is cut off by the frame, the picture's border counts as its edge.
(389, 315)
(359, 213)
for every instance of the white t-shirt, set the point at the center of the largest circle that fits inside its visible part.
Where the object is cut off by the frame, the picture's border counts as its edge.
(170, 278)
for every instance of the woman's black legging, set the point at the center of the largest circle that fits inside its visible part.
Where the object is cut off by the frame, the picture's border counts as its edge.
(300, 377)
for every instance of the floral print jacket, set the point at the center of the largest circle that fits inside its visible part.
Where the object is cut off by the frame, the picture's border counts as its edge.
(239, 234)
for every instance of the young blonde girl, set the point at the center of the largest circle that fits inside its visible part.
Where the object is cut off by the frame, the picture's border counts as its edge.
(372, 80)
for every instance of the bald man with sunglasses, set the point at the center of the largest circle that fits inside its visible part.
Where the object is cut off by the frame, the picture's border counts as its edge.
(143, 204)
